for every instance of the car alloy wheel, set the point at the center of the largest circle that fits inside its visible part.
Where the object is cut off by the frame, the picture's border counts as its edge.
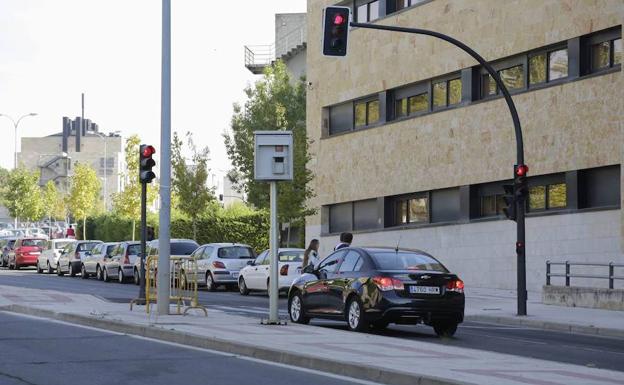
(355, 317)
(105, 276)
(71, 270)
(120, 276)
(242, 287)
(296, 310)
(210, 285)
(83, 272)
(137, 279)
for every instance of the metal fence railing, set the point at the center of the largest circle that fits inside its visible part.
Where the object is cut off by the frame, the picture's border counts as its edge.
(259, 55)
(568, 271)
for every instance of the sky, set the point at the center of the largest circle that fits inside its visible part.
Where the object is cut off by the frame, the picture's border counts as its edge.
(53, 50)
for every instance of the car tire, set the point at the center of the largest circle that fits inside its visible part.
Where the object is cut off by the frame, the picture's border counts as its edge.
(50, 269)
(71, 272)
(445, 329)
(59, 272)
(83, 272)
(210, 284)
(105, 276)
(39, 269)
(296, 310)
(137, 278)
(16, 266)
(98, 273)
(242, 287)
(355, 316)
(120, 277)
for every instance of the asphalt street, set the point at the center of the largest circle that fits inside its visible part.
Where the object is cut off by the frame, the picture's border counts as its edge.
(592, 351)
(35, 351)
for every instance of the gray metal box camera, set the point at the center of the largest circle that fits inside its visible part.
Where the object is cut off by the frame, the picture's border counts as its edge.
(273, 155)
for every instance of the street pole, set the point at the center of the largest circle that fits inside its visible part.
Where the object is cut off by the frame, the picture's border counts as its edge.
(520, 204)
(274, 273)
(164, 240)
(15, 125)
(143, 241)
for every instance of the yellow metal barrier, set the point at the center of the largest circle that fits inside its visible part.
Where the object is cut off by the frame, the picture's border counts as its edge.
(182, 285)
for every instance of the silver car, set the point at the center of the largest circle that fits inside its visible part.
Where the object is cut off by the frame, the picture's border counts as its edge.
(93, 262)
(220, 263)
(121, 263)
(70, 261)
(177, 248)
(48, 259)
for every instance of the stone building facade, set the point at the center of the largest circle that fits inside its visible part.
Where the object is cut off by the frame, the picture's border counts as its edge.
(412, 142)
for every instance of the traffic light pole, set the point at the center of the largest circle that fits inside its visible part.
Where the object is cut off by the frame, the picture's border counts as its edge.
(143, 239)
(520, 206)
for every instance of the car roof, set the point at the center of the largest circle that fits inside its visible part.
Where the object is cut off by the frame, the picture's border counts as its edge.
(282, 249)
(175, 240)
(63, 240)
(89, 241)
(376, 249)
(225, 244)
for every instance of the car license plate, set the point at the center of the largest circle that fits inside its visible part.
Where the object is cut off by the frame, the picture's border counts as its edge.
(424, 290)
(235, 275)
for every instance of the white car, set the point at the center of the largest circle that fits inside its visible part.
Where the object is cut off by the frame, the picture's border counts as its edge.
(48, 259)
(218, 264)
(255, 276)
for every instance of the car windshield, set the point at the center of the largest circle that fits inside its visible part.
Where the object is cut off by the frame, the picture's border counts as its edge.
(405, 260)
(61, 244)
(291, 256)
(134, 249)
(183, 248)
(86, 246)
(33, 242)
(110, 248)
(236, 252)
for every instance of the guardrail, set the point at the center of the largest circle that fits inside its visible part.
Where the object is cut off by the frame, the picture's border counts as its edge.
(182, 286)
(611, 276)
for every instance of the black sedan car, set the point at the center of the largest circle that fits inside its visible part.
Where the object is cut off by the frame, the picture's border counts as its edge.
(376, 286)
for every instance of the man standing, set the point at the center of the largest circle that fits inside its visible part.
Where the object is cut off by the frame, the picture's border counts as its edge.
(70, 232)
(345, 241)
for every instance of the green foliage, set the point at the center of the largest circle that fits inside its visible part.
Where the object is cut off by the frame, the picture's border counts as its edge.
(127, 203)
(112, 228)
(22, 195)
(190, 181)
(50, 197)
(84, 192)
(274, 103)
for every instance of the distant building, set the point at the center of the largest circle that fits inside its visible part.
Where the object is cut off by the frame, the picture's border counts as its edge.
(56, 155)
(230, 195)
(289, 46)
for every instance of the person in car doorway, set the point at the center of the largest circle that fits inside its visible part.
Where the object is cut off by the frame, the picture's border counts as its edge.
(345, 241)
(310, 256)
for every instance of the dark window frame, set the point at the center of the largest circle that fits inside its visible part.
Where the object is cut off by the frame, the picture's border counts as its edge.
(546, 51)
(366, 101)
(501, 65)
(547, 207)
(396, 200)
(357, 5)
(447, 79)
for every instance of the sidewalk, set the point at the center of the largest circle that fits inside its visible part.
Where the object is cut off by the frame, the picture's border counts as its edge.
(365, 356)
(500, 306)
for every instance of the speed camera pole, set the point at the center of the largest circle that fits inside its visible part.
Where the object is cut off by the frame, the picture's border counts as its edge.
(274, 273)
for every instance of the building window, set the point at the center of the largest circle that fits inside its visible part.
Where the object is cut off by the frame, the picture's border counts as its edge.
(447, 93)
(606, 54)
(513, 79)
(412, 105)
(557, 64)
(547, 197)
(366, 113)
(368, 12)
(548, 66)
(492, 205)
(412, 210)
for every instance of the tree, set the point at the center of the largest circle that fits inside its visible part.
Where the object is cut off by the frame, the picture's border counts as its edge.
(274, 103)
(83, 193)
(127, 203)
(190, 181)
(22, 195)
(50, 197)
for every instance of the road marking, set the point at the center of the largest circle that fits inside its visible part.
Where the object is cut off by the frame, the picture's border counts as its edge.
(508, 338)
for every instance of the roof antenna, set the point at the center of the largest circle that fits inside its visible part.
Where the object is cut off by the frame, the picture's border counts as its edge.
(396, 250)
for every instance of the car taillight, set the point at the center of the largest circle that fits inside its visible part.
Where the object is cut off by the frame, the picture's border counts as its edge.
(456, 285)
(126, 260)
(218, 265)
(387, 283)
(284, 270)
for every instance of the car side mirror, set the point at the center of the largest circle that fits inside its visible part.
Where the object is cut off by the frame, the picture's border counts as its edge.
(308, 269)
(251, 263)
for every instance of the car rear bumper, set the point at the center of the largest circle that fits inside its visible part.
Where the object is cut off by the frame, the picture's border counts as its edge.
(392, 308)
(225, 276)
(26, 260)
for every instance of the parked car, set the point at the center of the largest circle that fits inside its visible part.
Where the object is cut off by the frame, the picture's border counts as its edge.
(178, 248)
(7, 246)
(48, 258)
(377, 286)
(93, 262)
(220, 263)
(255, 276)
(120, 265)
(25, 252)
(70, 261)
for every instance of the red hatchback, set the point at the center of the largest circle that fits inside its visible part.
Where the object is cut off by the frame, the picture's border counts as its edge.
(25, 252)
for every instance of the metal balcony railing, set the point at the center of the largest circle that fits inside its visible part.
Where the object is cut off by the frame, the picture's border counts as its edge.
(259, 56)
(610, 276)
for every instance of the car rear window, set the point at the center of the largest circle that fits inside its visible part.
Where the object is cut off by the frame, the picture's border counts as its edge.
(134, 249)
(236, 252)
(86, 246)
(291, 256)
(34, 242)
(391, 260)
(183, 248)
(11, 243)
(110, 248)
(60, 245)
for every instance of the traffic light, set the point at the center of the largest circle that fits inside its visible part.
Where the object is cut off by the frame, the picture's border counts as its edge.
(517, 192)
(336, 31)
(510, 201)
(146, 175)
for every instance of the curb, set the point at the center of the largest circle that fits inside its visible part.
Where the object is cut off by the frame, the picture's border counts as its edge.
(353, 370)
(547, 325)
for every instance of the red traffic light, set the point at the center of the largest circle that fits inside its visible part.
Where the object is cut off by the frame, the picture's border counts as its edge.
(522, 170)
(339, 19)
(148, 151)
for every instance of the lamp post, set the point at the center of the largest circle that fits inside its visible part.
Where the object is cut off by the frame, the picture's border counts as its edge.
(15, 124)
